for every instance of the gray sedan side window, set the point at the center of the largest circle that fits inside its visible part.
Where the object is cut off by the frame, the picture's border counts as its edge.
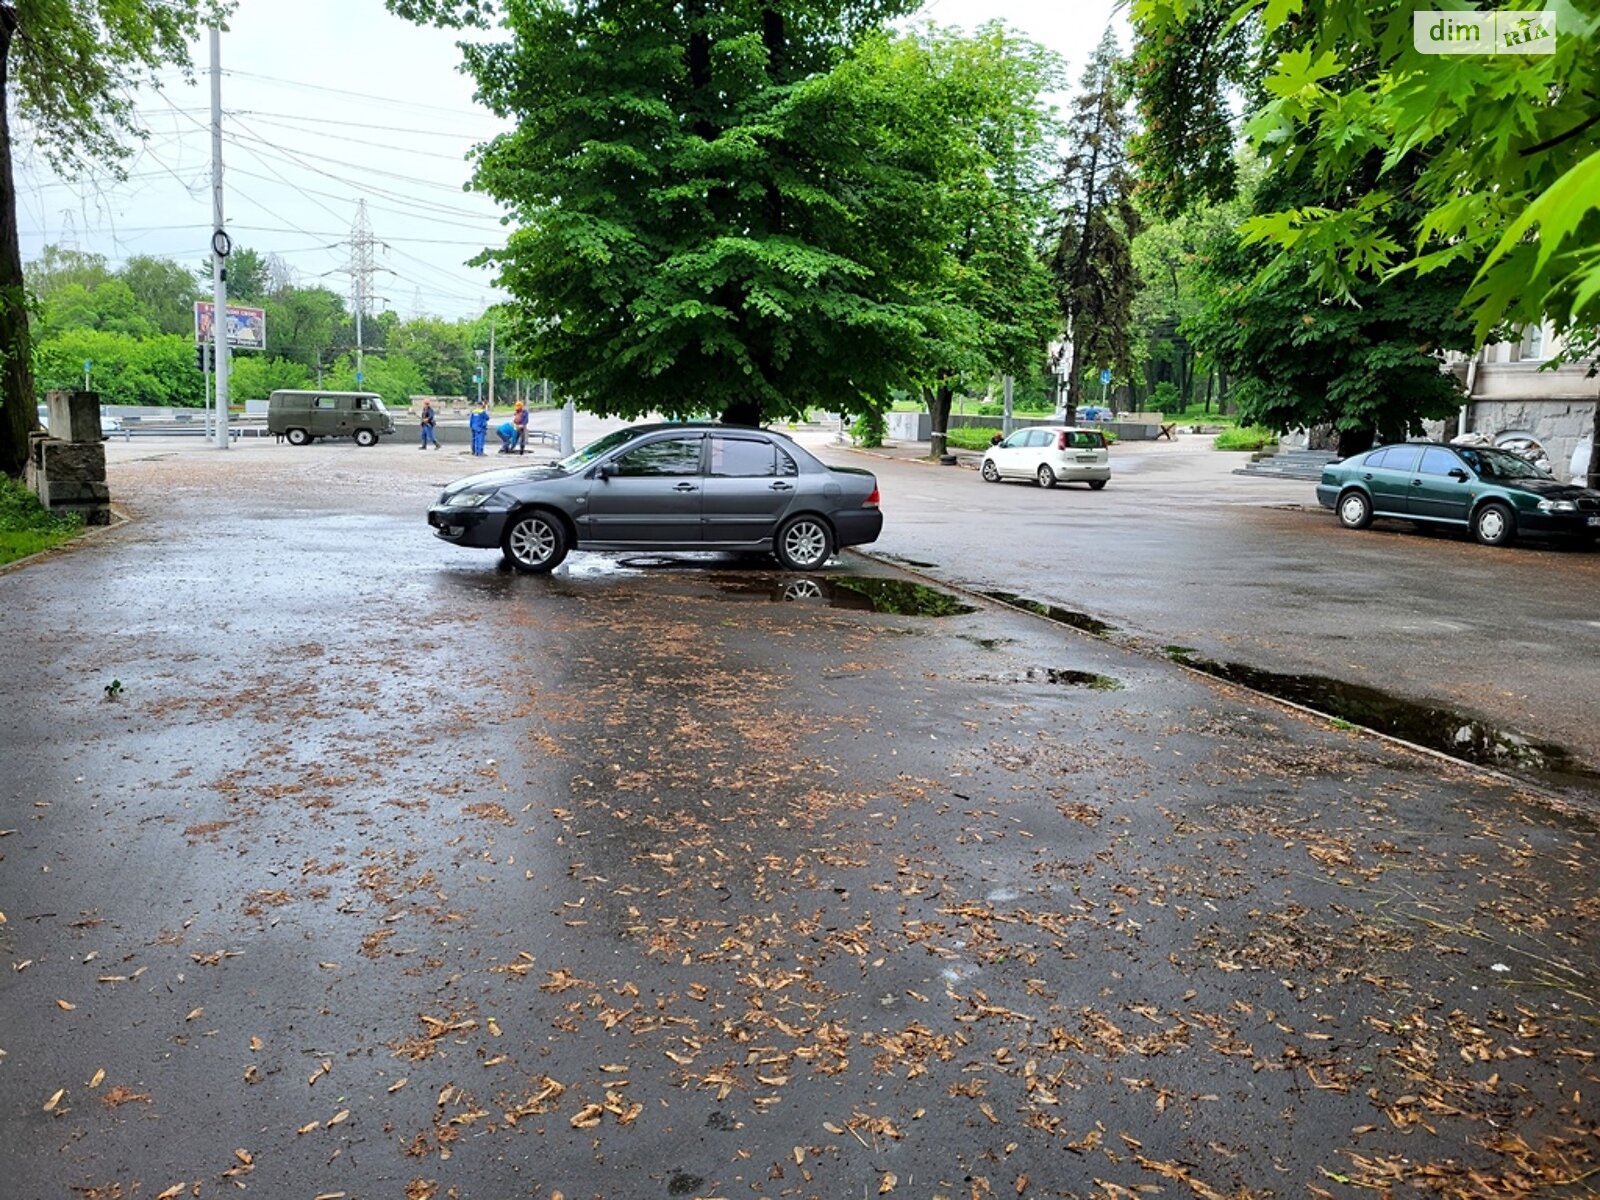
(741, 458)
(670, 456)
(786, 464)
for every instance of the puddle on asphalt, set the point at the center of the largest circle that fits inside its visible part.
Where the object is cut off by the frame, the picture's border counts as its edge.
(1064, 616)
(1429, 725)
(861, 593)
(1055, 675)
(990, 643)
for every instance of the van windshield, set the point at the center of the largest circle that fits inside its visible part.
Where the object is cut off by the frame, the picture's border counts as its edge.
(377, 403)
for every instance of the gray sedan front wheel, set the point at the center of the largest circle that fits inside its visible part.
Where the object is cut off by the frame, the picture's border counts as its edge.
(534, 542)
(804, 543)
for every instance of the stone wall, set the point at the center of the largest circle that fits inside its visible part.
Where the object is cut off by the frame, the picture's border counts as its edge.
(1565, 428)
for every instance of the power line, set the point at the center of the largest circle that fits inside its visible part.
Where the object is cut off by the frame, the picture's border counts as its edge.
(411, 150)
(368, 97)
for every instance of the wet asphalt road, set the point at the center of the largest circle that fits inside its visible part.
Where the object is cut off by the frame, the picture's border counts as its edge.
(1178, 551)
(391, 874)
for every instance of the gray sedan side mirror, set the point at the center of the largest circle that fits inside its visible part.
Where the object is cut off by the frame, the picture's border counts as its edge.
(605, 470)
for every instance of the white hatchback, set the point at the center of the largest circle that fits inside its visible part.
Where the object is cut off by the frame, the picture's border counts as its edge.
(1050, 454)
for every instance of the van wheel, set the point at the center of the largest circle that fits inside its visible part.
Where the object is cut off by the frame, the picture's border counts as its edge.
(534, 542)
(297, 437)
(365, 437)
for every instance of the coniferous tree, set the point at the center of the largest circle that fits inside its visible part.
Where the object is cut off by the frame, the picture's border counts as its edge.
(1092, 258)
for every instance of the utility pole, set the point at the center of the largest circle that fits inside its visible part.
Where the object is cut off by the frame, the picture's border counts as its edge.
(360, 278)
(220, 245)
(491, 362)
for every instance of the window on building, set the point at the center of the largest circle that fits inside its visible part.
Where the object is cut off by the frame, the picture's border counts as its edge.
(1533, 344)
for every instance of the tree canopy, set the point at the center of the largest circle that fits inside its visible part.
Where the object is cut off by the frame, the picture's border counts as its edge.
(754, 210)
(1508, 147)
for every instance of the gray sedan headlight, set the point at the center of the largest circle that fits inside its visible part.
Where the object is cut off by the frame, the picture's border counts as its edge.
(470, 499)
(1553, 506)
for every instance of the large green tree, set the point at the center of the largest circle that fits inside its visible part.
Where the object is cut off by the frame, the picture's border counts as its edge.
(980, 135)
(1092, 261)
(700, 199)
(70, 68)
(1369, 367)
(164, 290)
(1499, 154)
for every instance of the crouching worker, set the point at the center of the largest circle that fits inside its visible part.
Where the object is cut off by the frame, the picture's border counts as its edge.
(508, 436)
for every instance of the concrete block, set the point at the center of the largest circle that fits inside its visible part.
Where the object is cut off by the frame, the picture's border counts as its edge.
(74, 416)
(81, 461)
(55, 493)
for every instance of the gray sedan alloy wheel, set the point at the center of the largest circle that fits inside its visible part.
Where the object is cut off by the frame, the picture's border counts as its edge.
(804, 544)
(534, 543)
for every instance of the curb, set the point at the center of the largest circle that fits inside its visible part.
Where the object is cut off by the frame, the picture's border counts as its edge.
(1138, 645)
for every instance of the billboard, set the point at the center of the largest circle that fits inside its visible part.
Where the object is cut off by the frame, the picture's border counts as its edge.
(247, 327)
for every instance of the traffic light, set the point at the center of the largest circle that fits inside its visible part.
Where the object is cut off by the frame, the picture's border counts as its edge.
(202, 357)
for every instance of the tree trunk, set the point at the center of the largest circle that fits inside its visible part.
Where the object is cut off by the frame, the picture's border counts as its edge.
(938, 402)
(17, 403)
(1070, 408)
(743, 412)
(1354, 441)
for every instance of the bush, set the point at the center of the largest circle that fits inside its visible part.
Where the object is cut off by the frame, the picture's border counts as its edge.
(968, 437)
(158, 371)
(25, 525)
(1165, 398)
(869, 428)
(1249, 437)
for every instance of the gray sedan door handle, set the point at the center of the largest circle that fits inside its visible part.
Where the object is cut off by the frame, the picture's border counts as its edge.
(780, 486)
(684, 487)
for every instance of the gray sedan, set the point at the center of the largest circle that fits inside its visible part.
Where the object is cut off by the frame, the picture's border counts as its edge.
(666, 487)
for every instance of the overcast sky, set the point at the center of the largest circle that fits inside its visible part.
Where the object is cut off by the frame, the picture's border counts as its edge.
(326, 104)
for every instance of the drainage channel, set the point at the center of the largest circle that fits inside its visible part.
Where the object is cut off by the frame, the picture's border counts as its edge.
(1432, 726)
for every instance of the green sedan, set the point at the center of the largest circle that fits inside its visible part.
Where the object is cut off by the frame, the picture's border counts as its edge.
(1494, 493)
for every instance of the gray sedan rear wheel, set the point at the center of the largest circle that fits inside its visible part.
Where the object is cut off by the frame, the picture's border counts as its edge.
(804, 543)
(534, 542)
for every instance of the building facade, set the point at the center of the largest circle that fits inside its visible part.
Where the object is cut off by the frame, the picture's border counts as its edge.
(1512, 393)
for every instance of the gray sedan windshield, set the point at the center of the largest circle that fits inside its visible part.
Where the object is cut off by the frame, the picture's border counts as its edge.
(581, 458)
